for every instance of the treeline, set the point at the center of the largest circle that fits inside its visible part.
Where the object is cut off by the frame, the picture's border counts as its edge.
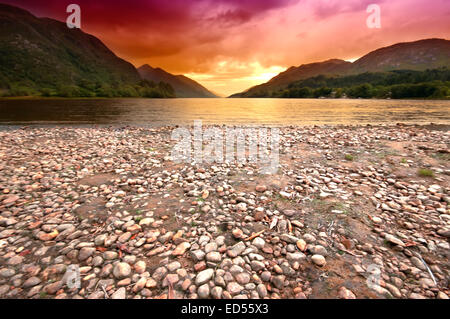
(431, 84)
(85, 88)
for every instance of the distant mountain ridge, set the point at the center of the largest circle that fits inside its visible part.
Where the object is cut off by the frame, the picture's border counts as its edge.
(183, 86)
(43, 52)
(42, 56)
(418, 55)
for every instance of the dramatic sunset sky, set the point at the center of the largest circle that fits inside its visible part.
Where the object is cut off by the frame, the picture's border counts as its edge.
(230, 45)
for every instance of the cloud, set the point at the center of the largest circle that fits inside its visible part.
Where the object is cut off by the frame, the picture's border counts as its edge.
(328, 8)
(250, 36)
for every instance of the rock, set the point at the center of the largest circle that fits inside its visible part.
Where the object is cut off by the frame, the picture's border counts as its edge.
(234, 288)
(106, 271)
(122, 270)
(295, 257)
(318, 250)
(204, 276)
(242, 207)
(214, 257)
(390, 238)
(110, 255)
(301, 244)
(319, 260)
(442, 295)
(10, 200)
(289, 212)
(416, 296)
(120, 293)
(6, 272)
(181, 249)
(261, 188)
(197, 255)
(236, 250)
(289, 238)
(216, 292)
(140, 284)
(444, 232)
(146, 222)
(262, 291)
(173, 266)
(159, 273)
(100, 240)
(203, 291)
(85, 253)
(125, 237)
(237, 233)
(242, 278)
(15, 260)
(53, 288)
(31, 282)
(257, 265)
(377, 220)
(345, 293)
(309, 238)
(259, 215)
(258, 242)
(266, 276)
(140, 267)
(278, 281)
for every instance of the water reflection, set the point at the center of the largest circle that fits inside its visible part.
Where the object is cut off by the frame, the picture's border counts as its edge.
(221, 111)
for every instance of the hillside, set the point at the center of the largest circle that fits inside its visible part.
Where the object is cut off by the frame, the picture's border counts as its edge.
(396, 84)
(183, 86)
(43, 56)
(418, 56)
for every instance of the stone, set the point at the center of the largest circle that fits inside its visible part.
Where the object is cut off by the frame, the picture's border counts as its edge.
(140, 267)
(181, 249)
(204, 276)
(258, 242)
(236, 250)
(319, 260)
(216, 292)
(262, 290)
(122, 270)
(159, 273)
(197, 255)
(85, 253)
(344, 293)
(203, 291)
(261, 188)
(295, 257)
(301, 244)
(120, 293)
(234, 288)
(257, 265)
(31, 282)
(394, 240)
(237, 233)
(214, 257)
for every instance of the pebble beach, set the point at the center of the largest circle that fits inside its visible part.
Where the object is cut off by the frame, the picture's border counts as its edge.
(352, 212)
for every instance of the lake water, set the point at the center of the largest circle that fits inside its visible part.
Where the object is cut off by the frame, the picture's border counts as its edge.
(243, 112)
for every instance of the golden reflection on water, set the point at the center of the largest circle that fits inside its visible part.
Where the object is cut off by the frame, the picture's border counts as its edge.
(222, 111)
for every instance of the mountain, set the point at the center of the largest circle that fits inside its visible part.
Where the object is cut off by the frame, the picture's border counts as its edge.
(38, 54)
(183, 86)
(418, 56)
(304, 71)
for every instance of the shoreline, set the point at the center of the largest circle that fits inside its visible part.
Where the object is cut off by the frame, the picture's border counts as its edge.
(112, 201)
(21, 126)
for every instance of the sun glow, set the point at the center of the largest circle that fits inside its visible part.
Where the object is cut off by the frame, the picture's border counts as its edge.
(233, 77)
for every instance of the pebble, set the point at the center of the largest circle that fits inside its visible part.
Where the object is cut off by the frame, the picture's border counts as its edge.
(319, 260)
(122, 270)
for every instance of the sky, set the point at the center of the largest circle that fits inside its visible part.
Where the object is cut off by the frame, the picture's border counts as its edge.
(231, 45)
